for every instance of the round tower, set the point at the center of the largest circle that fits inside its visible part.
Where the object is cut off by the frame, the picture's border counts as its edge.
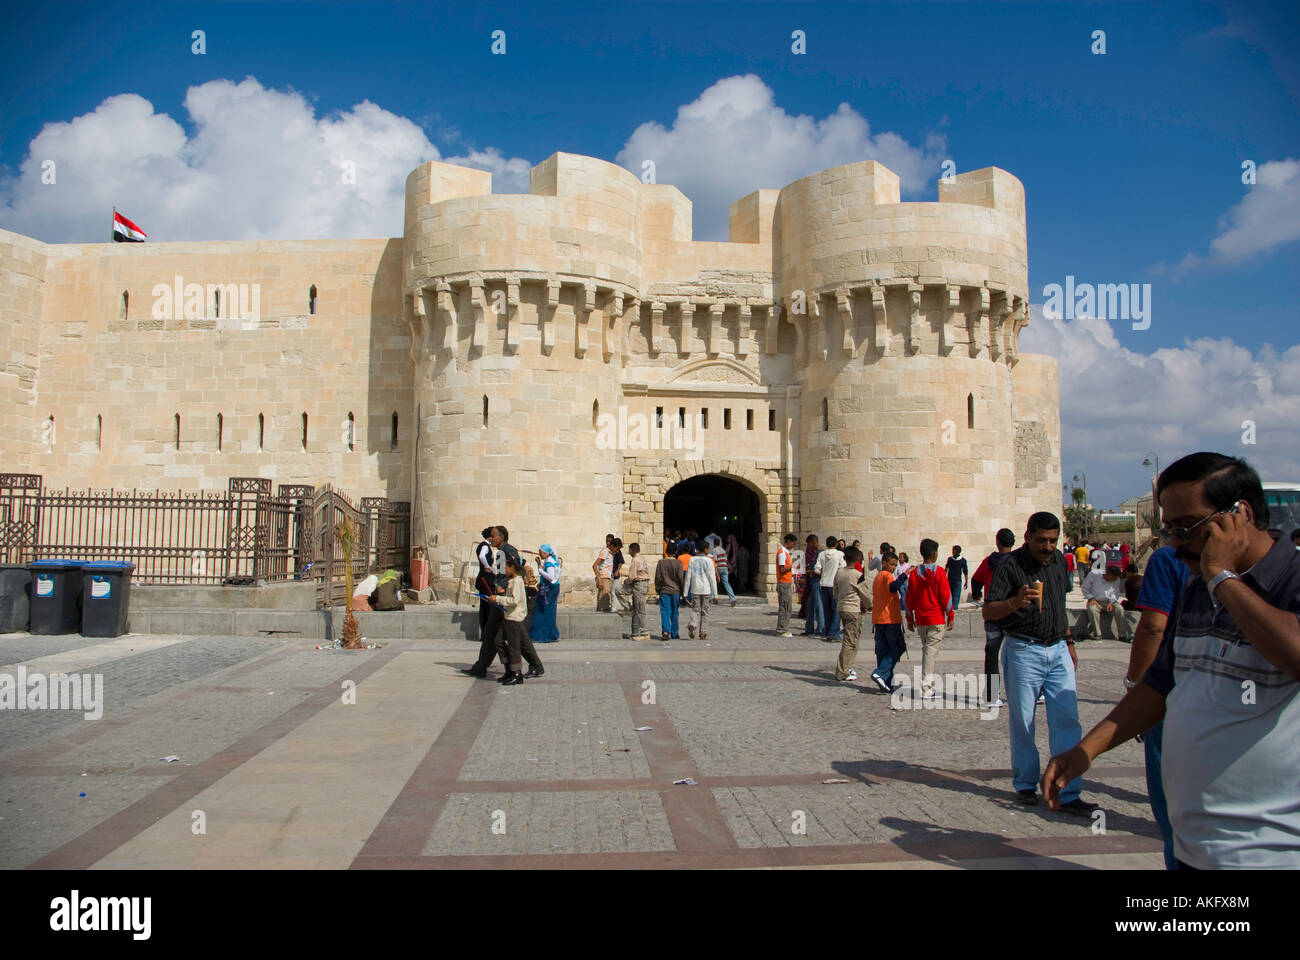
(906, 317)
(511, 301)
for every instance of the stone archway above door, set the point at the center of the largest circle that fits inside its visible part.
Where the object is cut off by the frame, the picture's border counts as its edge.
(647, 479)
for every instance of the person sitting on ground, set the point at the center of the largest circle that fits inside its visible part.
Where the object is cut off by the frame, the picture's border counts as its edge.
(1101, 590)
(362, 591)
(388, 591)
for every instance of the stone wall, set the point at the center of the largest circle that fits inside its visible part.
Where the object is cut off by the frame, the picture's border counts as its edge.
(22, 287)
(116, 376)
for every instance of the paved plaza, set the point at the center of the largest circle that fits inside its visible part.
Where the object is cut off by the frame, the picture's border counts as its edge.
(428, 768)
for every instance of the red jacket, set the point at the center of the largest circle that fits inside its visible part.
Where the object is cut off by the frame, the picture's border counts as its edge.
(928, 597)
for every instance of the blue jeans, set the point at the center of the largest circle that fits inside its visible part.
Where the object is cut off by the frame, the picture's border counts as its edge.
(828, 603)
(1029, 669)
(815, 619)
(668, 603)
(725, 576)
(954, 590)
(890, 648)
(1153, 740)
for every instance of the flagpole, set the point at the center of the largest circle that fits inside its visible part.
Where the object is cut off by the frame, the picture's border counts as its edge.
(112, 230)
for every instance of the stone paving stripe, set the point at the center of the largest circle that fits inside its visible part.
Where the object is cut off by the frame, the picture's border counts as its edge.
(101, 840)
(947, 851)
(407, 823)
(693, 813)
(82, 659)
(313, 797)
(906, 774)
(83, 733)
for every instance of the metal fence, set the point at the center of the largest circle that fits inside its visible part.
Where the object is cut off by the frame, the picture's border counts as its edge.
(245, 535)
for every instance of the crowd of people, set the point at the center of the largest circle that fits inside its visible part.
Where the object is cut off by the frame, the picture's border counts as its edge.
(1213, 682)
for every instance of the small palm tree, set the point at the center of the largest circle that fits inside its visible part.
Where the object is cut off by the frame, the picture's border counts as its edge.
(348, 535)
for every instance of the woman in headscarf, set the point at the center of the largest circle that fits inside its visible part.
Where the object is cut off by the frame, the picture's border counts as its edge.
(543, 629)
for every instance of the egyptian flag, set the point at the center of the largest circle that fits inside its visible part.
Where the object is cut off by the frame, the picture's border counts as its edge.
(124, 231)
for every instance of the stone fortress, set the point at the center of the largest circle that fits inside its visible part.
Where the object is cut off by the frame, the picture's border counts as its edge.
(845, 363)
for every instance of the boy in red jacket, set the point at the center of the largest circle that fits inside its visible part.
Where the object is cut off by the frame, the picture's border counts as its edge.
(928, 600)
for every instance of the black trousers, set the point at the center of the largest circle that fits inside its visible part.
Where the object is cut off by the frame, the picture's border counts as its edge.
(515, 645)
(490, 619)
(992, 652)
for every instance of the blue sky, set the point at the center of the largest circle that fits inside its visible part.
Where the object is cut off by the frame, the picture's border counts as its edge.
(1131, 160)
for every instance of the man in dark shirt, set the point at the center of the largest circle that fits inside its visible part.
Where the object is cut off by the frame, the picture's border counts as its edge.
(485, 584)
(1006, 541)
(958, 576)
(1027, 601)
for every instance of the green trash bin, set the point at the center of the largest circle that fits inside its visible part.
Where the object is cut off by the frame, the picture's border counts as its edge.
(15, 597)
(56, 596)
(105, 598)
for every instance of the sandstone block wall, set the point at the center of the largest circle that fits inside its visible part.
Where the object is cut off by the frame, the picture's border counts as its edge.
(22, 289)
(116, 377)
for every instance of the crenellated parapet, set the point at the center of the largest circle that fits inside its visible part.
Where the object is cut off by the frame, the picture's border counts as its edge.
(856, 273)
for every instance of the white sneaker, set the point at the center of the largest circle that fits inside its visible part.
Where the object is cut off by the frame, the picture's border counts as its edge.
(991, 704)
(853, 675)
(1042, 698)
(787, 634)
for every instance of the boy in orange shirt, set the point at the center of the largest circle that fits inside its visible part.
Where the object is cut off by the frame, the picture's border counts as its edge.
(887, 618)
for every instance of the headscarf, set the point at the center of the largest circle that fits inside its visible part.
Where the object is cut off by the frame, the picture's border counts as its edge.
(389, 574)
(548, 558)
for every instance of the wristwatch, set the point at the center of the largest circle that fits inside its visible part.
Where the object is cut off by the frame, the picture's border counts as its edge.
(1218, 578)
(1129, 684)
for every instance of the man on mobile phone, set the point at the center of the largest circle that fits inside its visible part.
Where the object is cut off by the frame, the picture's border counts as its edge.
(1226, 680)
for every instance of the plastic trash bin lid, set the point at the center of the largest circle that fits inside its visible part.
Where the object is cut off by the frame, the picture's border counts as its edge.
(73, 564)
(124, 565)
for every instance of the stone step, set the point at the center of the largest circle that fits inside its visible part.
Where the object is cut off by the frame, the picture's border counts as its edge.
(413, 623)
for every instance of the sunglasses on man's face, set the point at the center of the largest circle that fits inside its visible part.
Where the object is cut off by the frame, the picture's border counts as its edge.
(1185, 533)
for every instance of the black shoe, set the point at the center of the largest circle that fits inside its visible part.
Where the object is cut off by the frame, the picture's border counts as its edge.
(1028, 797)
(473, 673)
(512, 679)
(534, 672)
(504, 677)
(1080, 808)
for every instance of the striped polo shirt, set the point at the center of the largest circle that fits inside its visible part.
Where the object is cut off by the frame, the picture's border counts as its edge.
(1231, 757)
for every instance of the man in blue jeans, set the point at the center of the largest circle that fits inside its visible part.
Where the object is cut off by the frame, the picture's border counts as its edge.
(814, 623)
(1164, 579)
(1027, 600)
(829, 562)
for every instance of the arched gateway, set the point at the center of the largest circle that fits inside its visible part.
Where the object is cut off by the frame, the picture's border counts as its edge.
(756, 502)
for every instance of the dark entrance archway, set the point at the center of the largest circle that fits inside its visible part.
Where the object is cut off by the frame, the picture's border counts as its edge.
(721, 505)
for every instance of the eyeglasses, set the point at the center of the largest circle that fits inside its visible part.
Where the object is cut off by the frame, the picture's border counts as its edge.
(1185, 533)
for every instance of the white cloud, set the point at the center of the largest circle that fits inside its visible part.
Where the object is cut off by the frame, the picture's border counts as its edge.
(734, 140)
(1267, 217)
(259, 164)
(1117, 405)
